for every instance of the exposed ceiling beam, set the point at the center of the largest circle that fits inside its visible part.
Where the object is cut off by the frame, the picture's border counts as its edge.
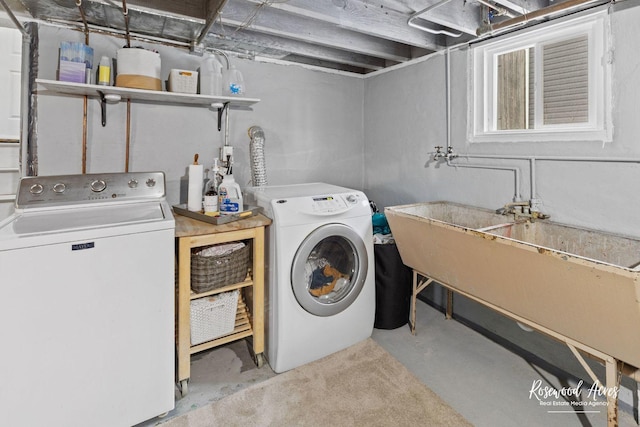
(361, 17)
(522, 6)
(270, 21)
(279, 47)
(458, 15)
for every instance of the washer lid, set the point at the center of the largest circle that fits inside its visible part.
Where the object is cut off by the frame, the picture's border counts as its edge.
(66, 220)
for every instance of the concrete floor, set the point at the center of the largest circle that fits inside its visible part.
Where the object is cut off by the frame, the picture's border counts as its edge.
(484, 381)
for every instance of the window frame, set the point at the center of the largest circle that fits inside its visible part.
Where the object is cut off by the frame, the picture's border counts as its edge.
(482, 86)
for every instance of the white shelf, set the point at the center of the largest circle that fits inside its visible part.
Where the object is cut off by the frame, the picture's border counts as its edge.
(57, 87)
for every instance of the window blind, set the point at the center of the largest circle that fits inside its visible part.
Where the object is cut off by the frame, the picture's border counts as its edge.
(566, 81)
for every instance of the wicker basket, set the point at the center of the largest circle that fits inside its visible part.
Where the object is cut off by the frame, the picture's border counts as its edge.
(213, 317)
(212, 272)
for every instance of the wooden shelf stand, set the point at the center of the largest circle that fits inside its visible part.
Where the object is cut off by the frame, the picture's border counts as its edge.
(191, 233)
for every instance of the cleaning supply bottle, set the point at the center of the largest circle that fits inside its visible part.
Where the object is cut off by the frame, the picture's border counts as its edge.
(229, 196)
(234, 82)
(210, 74)
(210, 203)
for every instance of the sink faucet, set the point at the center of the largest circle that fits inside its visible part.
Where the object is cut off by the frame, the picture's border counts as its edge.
(448, 155)
(520, 210)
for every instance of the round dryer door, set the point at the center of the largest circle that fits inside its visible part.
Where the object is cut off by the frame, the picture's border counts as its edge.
(329, 269)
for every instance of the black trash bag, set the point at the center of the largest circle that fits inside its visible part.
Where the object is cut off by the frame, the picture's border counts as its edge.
(393, 288)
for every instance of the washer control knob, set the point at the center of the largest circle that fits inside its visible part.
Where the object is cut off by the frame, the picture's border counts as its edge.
(59, 188)
(36, 189)
(351, 198)
(98, 185)
(133, 183)
(151, 182)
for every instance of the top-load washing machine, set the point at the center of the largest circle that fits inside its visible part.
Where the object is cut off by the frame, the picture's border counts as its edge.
(321, 289)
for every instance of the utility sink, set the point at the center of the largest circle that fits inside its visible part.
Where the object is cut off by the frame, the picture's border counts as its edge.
(454, 214)
(575, 282)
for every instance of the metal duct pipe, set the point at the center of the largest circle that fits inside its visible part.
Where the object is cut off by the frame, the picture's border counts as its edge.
(533, 16)
(256, 154)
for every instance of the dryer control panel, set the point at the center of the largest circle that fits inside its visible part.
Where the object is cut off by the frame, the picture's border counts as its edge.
(334, 203)
(309, 203)
(326, 204)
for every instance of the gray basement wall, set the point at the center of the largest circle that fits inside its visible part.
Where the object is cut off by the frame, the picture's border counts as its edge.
(405, 117)
(312, 122)
(375, 133)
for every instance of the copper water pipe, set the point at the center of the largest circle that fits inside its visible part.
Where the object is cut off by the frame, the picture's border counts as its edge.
(84, 135)
(125, 12)
(86, 98)
(84, 21)
(128, 136)
(533, 16)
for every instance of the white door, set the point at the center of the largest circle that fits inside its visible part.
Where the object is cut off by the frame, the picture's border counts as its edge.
(10, 84)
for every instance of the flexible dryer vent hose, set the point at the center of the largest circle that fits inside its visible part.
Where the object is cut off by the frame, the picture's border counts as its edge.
(256, 154)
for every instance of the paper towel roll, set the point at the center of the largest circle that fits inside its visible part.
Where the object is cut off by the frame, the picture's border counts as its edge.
(196, 177)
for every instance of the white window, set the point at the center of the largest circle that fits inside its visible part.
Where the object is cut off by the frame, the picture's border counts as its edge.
(549, 83)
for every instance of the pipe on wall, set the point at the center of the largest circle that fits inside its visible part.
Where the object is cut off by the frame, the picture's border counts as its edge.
(427, 29)
(13, 18)
(533, 159)
(515, 170)
(448, 156)
(533, 16)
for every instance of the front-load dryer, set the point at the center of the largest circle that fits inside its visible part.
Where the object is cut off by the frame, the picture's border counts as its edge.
(321, 289)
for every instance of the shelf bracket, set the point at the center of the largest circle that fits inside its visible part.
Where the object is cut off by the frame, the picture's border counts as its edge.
(220, 113)
(103, 108)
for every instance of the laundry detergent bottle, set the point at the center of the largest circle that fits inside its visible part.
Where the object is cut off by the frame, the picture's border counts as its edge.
(234, 83)
(210, 76)
(229, 196)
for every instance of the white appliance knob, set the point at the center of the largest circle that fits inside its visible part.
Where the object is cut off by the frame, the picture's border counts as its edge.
(98, 185)
(133, 183)
(352, 198)
(59, 187)
(36, 189)
(151, 182)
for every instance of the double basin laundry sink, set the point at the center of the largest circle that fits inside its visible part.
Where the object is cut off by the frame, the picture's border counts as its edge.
(577, 283)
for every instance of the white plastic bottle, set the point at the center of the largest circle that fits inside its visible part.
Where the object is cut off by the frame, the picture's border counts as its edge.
(234, 83)
(229, 196)
(210, 74)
